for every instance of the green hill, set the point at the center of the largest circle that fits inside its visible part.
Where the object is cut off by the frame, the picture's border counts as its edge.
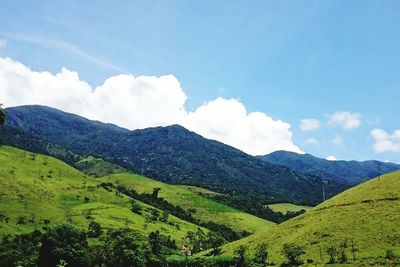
(287, 207)
(38, 191)
(368, 215)
(190, 197)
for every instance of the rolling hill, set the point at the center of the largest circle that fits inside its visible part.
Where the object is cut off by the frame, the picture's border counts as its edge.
(346, 172)
(189, 197)
(37, 191)
(173, 155)
(368, 215)
(39, 188)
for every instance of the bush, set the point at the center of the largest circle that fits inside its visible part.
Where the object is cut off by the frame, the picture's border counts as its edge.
(390, 255)
(21, 250)
(94, 229)
(217, 261)
(293, 252)
(240, 256)
(64, 242)
(261, 255)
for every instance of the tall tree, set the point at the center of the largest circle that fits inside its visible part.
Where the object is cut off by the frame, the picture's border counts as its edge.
(3, 115)
(64, 242)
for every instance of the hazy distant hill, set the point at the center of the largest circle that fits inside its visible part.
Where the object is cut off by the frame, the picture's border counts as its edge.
(173, 155)
(347, 172)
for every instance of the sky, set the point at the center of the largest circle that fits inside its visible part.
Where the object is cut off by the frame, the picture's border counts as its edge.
(318, 77)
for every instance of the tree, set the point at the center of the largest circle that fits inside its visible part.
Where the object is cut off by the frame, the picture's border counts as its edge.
(155, 242)
(353, 249)
(64, 242)
(261, 255)
(293, 252)
(215, 241)
(94, 229)
(136, 208)
(240, 256)
(20, 250)
(123, 248)
(154, 214)
(343, 256)
(332, 252)
(155, 192)
(164, 216)
(3, 115)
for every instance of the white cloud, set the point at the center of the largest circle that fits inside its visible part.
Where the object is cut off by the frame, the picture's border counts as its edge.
(337, 140)
(346, 120)
(331, 158)
(312, 141)
(386, 142)
(228, 121)
(144, 101)
(3, 43)
(309, 124)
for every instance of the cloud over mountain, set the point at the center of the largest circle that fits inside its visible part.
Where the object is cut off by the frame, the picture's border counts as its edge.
(386, 142)
(144, 101)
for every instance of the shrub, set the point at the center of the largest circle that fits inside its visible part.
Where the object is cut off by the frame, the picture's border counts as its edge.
(293, 252)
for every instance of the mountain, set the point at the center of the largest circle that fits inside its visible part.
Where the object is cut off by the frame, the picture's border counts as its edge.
(346, 172)
(367, 215)
(172, 154)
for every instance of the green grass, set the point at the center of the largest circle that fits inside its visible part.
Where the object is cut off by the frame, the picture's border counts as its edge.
(369, 214)
(287, 207)
(98, 167)
(192, 197)
(43, 188)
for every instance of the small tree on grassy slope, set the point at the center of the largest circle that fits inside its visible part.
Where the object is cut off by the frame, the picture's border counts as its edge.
(261, 255)
(293, 252)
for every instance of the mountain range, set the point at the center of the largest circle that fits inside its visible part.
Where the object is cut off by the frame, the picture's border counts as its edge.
(346, 172)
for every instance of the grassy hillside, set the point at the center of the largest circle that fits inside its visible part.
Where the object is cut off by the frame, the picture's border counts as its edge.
(37, 191)
(287, 207)
(368, 214)
(190, 197)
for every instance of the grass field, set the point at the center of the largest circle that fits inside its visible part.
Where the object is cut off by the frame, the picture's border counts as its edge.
(287, 207)
(368, 214)
(191, 197)
(35, 188)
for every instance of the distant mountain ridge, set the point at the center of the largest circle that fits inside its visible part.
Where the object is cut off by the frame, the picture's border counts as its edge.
(172, 154)
(347, 172)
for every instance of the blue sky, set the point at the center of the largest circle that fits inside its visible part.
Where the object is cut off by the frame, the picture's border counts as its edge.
(289, 59)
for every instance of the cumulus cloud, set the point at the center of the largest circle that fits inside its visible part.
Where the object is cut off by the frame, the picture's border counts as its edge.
(228, 121)
(309, 124)
(312, 141)
(386, 142)
(337, 140)
(331, 158)
(3, 43)
(144, 101)
(346, 120)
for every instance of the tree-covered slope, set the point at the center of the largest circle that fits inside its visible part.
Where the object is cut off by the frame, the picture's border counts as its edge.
(173, 155)
(37, 191)
(347, 172)
(368, 215)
